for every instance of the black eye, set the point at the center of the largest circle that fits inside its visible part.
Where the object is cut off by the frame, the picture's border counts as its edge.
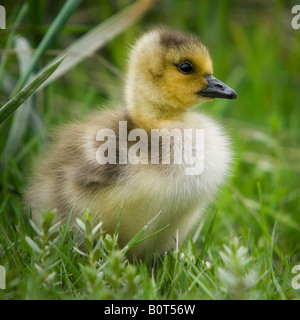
(185, 68)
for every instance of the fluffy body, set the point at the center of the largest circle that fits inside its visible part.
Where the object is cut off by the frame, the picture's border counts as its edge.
(157, 96)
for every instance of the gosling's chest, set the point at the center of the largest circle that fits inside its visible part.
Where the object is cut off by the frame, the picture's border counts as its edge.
(186, 165)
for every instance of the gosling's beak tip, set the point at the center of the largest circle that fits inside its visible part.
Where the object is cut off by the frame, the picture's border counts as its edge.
(233, 95)
(217, 89)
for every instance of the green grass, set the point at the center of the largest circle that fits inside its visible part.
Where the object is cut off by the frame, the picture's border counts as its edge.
(250, 239)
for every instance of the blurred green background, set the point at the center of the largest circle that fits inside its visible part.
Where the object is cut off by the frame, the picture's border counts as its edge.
(255, 50)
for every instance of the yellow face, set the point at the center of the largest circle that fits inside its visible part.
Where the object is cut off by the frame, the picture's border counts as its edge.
(185, 75)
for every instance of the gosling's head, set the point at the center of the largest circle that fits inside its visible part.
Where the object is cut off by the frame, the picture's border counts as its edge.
(170, 71)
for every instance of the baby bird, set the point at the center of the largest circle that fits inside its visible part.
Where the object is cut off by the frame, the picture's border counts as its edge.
(108, 161)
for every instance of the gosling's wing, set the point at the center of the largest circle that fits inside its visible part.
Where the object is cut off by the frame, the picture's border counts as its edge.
(96, 160)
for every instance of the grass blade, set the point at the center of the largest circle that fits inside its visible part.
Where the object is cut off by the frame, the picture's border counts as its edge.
(208, 237)
(26, 92)
(54, 29)
(152, 234)
(21, 115)
(136, 238)
(99, 36)
(21, 14)
(118, 221)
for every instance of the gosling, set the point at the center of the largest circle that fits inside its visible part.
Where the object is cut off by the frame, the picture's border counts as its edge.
(87, 168)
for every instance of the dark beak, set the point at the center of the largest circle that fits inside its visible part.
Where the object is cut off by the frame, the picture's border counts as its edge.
(217, 89)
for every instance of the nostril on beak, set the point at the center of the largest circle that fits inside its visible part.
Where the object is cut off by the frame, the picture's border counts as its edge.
(217, 89)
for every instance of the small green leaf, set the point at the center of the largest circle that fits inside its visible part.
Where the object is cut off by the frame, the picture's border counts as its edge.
(80, 224)
(97, 228)
(34, 227)
(80, 252)
(33, 245)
